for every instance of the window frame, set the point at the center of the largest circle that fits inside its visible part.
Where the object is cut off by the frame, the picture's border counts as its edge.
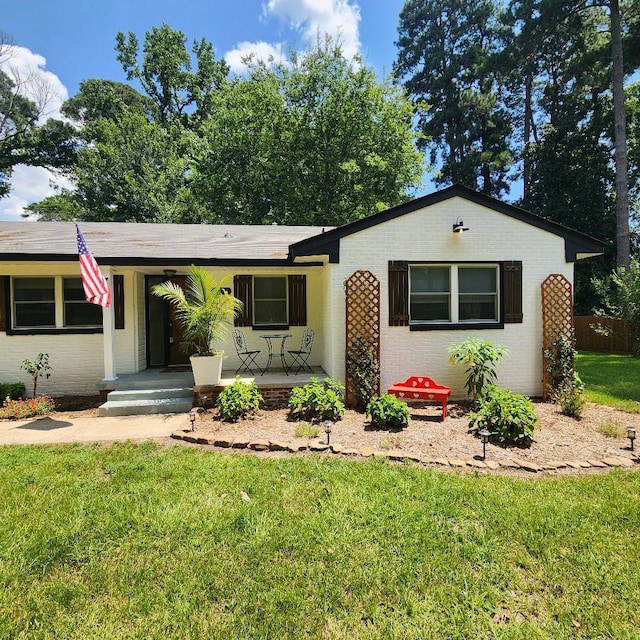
(454, 321)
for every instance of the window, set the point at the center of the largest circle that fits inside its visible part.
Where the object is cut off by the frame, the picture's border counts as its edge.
(52, 304)
(270, 300)
(34, 302)
(453, 294)
(77, 311)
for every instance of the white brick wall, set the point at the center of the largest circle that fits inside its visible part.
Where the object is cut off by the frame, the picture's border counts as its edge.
(427, 235)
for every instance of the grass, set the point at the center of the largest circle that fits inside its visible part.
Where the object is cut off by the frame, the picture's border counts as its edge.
(611, 380)
(611, 429)
(307, 430)
(140, 541)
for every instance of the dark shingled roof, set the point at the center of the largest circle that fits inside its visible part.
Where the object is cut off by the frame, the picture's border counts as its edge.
(119, 243)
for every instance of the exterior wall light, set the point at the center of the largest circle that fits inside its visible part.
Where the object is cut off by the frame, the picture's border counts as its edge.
(458, 226)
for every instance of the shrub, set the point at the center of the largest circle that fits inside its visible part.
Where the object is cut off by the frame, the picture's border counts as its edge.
(363, 370)
(318, 400)
(37, 368)
(19, 409)
(509, 416)
(238, 400)
(481, 357)
(12, 390)
(611, 429)
(388, 411)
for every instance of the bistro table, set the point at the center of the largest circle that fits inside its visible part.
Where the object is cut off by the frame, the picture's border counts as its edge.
(270, 337)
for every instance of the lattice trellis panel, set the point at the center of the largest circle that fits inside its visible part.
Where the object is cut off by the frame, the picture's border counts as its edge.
(557, 318)
(362, 295)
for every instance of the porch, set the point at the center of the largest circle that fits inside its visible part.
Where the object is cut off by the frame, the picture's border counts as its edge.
(172, 390)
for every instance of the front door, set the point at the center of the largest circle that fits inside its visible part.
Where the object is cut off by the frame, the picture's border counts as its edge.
(164, 333)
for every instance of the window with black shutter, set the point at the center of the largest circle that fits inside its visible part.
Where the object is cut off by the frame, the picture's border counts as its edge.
(428, 296)
(4, 280)
(271, 301)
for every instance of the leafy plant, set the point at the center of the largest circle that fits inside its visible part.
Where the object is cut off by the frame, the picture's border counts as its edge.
(19, 409)
(37, 368)
(565, 387)
(388, 411)
(205, 309)
(307, 430)
(318, 400)
(12, 390)
(481, 358)
(238, 400)
(509, 416)
(363, 369)
(391, 442)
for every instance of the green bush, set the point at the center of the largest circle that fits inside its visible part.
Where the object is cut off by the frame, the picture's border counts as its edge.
(509, 416)
(388, 411)
(238, 400)
(19, 409)
(318, 400)
(12, 390)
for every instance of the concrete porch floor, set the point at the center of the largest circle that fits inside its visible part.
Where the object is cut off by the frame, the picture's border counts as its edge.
(180, 378)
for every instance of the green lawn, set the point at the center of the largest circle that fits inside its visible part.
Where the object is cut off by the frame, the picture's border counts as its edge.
(139, 541)
(612, 380)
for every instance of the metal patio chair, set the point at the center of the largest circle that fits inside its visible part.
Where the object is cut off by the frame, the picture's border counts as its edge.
(247, 357)
(301, 356)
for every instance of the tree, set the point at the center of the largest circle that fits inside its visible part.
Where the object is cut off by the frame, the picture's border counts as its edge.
(26, 135)
(447, 58)
(166, 74)
(315, 141)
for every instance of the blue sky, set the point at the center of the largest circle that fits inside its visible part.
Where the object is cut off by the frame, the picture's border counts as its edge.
(67, 41)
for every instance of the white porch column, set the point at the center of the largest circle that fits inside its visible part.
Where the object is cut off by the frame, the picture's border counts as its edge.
(108, 334)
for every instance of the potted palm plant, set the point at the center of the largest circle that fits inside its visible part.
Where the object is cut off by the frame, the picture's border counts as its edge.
(206, 310)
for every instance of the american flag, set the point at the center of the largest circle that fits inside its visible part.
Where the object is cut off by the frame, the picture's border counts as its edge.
(96, 289)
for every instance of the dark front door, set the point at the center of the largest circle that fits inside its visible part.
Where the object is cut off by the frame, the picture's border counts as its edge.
(164, 333)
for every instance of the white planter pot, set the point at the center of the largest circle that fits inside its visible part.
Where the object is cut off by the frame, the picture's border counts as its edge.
(207, 370)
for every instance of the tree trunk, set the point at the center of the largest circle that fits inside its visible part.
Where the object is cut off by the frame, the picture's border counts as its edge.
(528, 118)
(620, 141)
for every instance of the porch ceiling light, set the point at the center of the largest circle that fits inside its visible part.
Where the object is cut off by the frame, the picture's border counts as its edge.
(458, 226)
(169, 273)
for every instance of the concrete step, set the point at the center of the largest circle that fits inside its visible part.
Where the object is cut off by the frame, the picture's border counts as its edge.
(144, 402)
(130, 395)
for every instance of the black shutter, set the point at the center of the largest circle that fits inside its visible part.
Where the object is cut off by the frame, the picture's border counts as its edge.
(243, 290)
(512, 289)
(4, 281)
(298, 301)
(398, 293)
(118, 300)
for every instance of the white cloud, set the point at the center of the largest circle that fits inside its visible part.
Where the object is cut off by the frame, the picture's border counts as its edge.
(260, 50)
(28, 71)
(338, 18)
(308, 19)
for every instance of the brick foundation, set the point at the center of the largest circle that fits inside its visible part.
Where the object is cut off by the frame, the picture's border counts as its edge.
(273, 397)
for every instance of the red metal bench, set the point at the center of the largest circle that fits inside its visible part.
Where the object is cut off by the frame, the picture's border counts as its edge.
(421, 388)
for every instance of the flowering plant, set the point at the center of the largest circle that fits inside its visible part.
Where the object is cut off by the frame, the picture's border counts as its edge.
(19, 409)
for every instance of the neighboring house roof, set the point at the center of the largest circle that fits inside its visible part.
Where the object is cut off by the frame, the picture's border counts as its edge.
(577, 245)
(118, 243)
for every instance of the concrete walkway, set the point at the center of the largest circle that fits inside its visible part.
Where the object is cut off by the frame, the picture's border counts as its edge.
(66, 427)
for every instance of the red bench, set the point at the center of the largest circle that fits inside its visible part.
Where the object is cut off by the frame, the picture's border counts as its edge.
(421, 388)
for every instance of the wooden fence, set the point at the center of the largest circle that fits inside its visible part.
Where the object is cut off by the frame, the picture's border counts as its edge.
(587, 339)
